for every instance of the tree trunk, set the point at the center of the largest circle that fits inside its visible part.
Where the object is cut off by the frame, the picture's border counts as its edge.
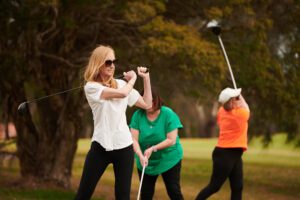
(46, 153)
(199, 119)
(207, 113)
(47, 136)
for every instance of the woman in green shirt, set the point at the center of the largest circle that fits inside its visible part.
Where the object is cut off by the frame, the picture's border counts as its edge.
(156, 145)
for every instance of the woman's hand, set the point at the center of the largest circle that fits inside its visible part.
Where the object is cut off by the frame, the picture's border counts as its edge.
(130, 75)
(241, 103)
(142, 72)
(148, 152)
(143, 160)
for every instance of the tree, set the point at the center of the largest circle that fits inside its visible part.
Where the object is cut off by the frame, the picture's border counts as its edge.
(44, 47)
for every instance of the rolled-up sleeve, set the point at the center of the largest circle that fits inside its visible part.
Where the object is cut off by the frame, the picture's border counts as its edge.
(173, 121)
(93, 91)
(133, 97)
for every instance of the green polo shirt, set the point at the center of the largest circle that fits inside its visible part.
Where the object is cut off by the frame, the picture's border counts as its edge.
(154, 132)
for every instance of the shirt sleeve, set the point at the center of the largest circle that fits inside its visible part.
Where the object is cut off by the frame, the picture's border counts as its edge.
(93, 91)
(242, 113)
(133, 97)
(134, 121)
(173, 121)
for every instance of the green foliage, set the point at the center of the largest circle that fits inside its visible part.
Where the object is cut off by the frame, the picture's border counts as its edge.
(138, 11)
(197, 61)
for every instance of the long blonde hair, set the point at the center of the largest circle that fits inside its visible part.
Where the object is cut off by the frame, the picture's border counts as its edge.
(96, 62)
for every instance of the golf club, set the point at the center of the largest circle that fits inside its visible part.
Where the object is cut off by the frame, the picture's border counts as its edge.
(23, 106)
(216, 29)
(141, 182)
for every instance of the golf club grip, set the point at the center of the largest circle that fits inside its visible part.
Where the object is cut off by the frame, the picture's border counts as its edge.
(120, 76)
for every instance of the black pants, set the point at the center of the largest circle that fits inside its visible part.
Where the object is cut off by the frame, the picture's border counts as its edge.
(171, 179)
(95, 164)
(227, 162)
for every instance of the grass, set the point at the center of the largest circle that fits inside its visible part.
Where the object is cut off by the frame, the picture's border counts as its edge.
(272, 173)
(8, 194)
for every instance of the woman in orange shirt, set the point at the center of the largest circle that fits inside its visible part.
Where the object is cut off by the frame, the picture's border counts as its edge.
(232, 120)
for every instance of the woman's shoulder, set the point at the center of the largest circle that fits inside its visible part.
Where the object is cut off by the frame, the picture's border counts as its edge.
(167, 110)
(92, 84)
(242, 111)
(139, 112)
(121, 82)
(221, 109)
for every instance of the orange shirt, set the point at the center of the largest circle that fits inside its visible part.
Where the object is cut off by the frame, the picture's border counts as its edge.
(233, 127)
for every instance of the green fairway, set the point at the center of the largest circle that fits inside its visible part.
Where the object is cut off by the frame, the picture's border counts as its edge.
(272, 173)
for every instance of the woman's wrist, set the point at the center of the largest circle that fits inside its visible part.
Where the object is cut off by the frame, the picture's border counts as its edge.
(130, 83)
(146, 77)
(154, 148)
(140, 154)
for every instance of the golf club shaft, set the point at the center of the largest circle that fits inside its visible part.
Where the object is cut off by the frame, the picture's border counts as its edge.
(141, 182)
(120, 76)
(227, 60)
(41, 98)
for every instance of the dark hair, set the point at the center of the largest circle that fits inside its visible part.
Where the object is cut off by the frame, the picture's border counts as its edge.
(156, 99)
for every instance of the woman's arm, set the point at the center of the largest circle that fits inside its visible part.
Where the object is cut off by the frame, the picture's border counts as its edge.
(169, 141)
(136, 146)
(145, 102)
(109, 93)
(242, 103)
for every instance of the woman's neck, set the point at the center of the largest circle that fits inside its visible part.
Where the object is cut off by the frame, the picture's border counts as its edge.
(103, 79)
(152, 115)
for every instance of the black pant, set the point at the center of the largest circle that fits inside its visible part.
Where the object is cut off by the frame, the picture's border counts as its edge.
(227, 162)
(171, 179)
(95, 164)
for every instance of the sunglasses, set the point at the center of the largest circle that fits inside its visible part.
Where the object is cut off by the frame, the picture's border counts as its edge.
(108, 63)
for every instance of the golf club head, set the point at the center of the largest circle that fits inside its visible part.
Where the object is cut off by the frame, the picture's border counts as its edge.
(22, 108)
(214, 27)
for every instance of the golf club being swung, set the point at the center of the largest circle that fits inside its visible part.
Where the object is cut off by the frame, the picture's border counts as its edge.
(23, 106)
(216, 29)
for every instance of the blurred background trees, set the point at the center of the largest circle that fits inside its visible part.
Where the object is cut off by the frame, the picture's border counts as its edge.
(45, 46)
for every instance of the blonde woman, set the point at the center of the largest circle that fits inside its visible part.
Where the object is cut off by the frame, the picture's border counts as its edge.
(111, 141)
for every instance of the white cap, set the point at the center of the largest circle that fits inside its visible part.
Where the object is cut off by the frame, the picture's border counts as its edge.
(228, 93)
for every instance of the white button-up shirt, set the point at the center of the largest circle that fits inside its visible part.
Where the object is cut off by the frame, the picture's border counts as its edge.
(110, 124)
